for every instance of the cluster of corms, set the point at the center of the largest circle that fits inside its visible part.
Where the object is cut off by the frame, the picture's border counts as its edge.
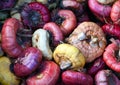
(59, 18)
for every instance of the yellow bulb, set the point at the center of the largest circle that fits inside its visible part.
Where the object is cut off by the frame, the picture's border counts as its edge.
(68, 56)
(6, 76)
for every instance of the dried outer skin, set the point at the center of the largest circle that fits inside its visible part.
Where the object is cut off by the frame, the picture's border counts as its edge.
(90, 29)
(106, 1)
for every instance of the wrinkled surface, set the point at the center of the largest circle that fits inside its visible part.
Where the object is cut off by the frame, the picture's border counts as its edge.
(90, 29)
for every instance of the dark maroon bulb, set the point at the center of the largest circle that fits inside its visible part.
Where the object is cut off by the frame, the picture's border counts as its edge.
(27, 62)
(31, 17)
(7, 3)
(35, 15)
